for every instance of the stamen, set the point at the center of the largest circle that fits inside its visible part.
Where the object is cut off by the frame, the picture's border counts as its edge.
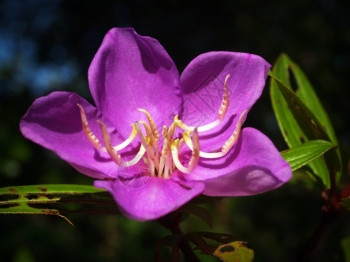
(149, 149)
(163, 157)
(149, 136)
(165, 132)
(151, 122)
(107, 140)
(159, 160)
(194, 157)
(128, 141)
(136, 159)
(87, 131)
(171, 130)
(221, 113)
(233, 138)
(225, 100)
(195, 153)
(227, 145)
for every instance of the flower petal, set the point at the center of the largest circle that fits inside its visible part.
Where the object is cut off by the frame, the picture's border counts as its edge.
(202, 84)
(130, 71)
(54, 122)
(254, 166)
(148, 198)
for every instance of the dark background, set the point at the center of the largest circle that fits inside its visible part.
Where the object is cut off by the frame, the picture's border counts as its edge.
(47, 45)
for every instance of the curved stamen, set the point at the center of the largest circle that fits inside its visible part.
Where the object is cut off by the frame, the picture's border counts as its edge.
(227, 145)
(107, 140)
(233, 138)
(159, 160)
(221, 113)
(225, 100)
(149, 149)
(150, 136)
(151, 123)
(128, 141)
(87, 131)
(194, 157)
(136, 158)
(195, 153)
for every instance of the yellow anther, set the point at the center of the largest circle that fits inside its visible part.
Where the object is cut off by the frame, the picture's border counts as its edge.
(176, 145)
(87, 131)
(180, 124)
(187, 138)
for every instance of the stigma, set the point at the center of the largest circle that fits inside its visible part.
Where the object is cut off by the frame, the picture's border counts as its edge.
(160, 149)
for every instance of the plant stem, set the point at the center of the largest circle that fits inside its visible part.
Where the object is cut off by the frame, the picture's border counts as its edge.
(314, 240)
(331, 211)
(171, 222)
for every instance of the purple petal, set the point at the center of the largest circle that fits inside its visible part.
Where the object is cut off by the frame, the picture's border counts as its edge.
(130, 71)
(148, 198)
(254, 166)
(54, 122)
(202, 84)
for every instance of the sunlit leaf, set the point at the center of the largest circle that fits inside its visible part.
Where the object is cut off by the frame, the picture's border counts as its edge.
(235, 251)
(54, 200)
(300, 156)
(301, 116)
(208, 242)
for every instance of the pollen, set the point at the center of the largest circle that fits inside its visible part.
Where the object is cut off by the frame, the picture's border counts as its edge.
(161, 151)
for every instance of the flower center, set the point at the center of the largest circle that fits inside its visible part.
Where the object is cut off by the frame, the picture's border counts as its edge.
(163, 160)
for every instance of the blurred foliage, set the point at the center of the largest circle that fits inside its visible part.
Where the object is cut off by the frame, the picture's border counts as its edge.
(47, 45)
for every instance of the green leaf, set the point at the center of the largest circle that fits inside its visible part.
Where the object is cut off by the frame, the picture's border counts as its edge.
(33, 199)
(345, 244)
(301, 116)
(346, 203)
(300, 156)
(202, 239)
(235, 251)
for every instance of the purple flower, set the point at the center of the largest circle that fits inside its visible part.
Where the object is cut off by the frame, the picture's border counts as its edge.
(156, 140)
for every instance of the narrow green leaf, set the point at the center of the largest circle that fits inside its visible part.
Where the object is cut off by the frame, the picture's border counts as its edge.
(291, 129)
(31, 199)
(307, 94)
(300, 156)
(49, 189)
(301, 116)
